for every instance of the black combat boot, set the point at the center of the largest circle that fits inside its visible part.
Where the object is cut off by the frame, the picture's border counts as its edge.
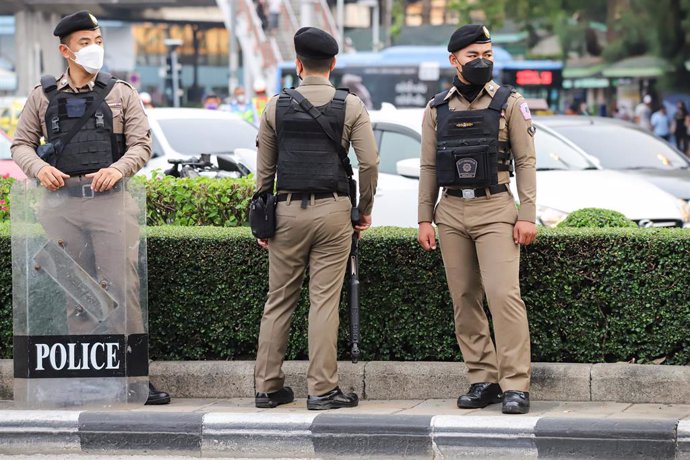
(515, 402)
(480, 395)
(334, 399)
(157, 398)
(271, 400)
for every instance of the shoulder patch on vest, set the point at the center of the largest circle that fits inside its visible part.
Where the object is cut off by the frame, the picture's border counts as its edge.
(524, 110)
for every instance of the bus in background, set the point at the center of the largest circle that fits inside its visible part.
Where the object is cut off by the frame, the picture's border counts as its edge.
(409, 76)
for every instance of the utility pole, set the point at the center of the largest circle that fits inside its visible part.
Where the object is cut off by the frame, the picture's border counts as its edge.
(388, 21)
(233, 61)
(375, 22)
(306, 13)
(173, 44)
(340, 18)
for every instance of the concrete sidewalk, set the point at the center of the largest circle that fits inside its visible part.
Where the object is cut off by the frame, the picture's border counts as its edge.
(408, 410)
(631, 383)
(426, 429)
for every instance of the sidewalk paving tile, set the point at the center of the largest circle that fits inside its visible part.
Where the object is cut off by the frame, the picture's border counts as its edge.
(652, 411)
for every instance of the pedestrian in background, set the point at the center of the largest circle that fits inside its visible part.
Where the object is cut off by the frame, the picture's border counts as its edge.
(661, 123)
(261, 13)
(260, 98)
(242, 107)
(274, 14)
(643, 113)
(212, 102)
(620, 112)
(146, 100)
(680, 126)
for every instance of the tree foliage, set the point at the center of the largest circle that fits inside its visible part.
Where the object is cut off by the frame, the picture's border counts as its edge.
(634, 27)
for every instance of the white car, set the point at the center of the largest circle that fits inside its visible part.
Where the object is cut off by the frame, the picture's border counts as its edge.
(187, 133)
(567, 178)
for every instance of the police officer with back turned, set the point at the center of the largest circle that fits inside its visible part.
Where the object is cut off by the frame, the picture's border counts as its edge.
(115, 143)
(313, 225)
(472, 136)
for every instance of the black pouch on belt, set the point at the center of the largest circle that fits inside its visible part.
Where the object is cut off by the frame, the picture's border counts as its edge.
(262, 215)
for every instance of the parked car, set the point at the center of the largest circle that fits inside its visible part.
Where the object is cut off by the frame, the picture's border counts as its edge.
(8, 168)
(628, 148)
(186, 133)
(10, 110)
(567, 179)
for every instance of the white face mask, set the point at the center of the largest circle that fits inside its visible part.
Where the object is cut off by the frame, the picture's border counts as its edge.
(90, 58)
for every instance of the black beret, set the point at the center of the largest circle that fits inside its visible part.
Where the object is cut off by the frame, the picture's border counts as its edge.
(467, 35)
(82, 20)
(314, 43)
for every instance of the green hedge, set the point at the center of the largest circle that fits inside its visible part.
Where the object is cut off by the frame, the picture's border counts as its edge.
(191, 201)
(596, 218)
(601, 295)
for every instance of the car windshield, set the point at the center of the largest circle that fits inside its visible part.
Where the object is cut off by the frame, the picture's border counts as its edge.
(192, 136)
(5, 148)
(618, 147)
(553, 153)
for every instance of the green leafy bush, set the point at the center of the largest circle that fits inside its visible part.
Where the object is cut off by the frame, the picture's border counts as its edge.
(193, 201)
(597, 218)
(593, 295)
(198, 201)
(5, 186)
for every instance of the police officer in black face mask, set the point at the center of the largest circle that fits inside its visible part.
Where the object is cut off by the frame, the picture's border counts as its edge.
(474, 136)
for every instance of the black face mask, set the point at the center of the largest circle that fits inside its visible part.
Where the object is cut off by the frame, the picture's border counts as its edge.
(478, 71)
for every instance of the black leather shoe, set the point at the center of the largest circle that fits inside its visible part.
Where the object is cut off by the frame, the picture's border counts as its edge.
(275, 399)
(515, 402)
(334, 399)
(480, 395)
(157, 398)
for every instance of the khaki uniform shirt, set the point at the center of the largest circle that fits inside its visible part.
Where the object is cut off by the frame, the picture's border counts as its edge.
(357, 131)
(129, 118)
(515, 126)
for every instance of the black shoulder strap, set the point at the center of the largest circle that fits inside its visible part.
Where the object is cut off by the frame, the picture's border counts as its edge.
(104, 79)
(500, 99)
(49, 84)
(316, 115)
(340, 95)
(439, 99)
(102, 87)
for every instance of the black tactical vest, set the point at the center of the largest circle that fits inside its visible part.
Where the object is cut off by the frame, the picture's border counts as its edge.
(468, 152)
(94, 146)
(308, 160)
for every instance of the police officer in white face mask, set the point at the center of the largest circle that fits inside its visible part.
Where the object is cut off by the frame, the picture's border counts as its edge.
(108, 147)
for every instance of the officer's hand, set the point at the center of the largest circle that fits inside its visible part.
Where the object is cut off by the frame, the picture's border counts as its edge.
(52, 178)
(105, 179)
(364, 223)
(427, 236)
(262, 243)
(524, 232)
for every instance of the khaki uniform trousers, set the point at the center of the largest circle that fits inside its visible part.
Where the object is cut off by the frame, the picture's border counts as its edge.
(319, 236)
(476, 239)
(102, 235)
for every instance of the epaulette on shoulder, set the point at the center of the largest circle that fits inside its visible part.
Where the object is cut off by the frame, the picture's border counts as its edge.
(125, 83)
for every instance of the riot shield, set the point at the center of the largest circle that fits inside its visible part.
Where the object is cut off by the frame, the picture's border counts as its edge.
(79, 295)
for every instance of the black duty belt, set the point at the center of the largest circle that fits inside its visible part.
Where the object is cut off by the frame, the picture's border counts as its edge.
(472, 193)
(85, 190)
(304, 197)
(307, 196)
